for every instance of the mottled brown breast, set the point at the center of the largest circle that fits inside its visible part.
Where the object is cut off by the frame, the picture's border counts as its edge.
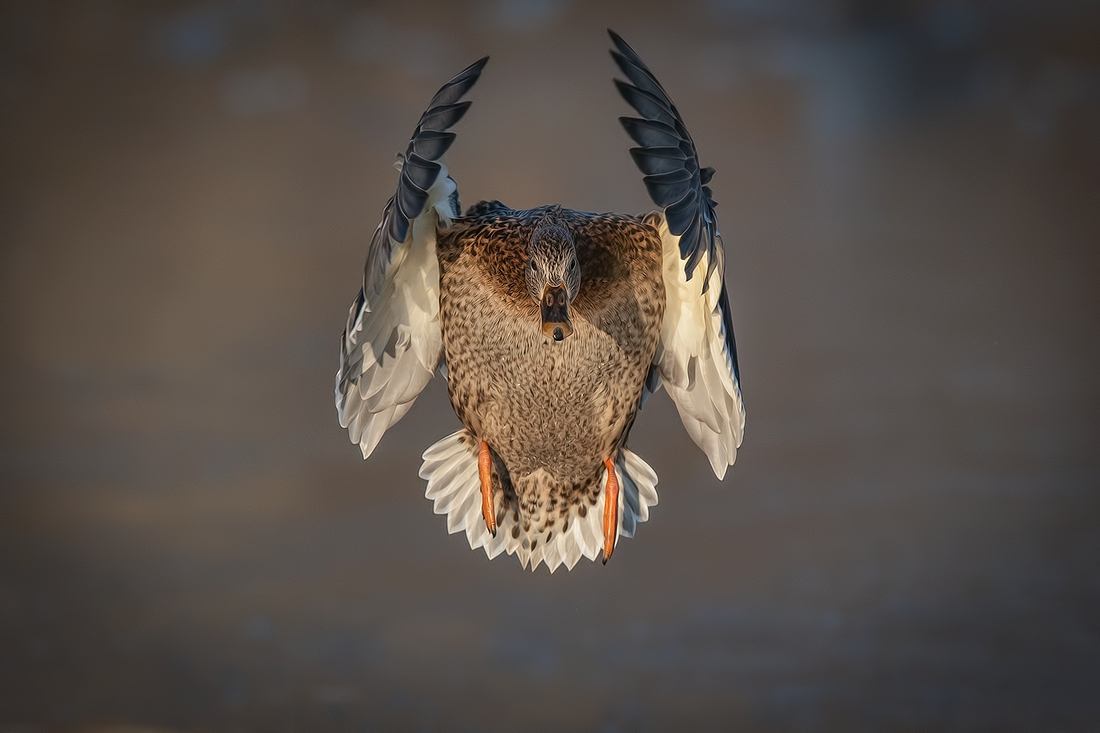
(562, 407)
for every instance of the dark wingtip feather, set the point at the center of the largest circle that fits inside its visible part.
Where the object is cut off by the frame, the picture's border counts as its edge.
(731, 342)
(429, 142)
(648, 105)
(623, 47)
(440, 117)
(459, 84)
(618, 40)
(651, 133)
(673, 177)
(420, 169)
(689, 209)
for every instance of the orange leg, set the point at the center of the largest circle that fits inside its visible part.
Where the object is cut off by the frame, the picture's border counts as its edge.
(610, 511)
(485, 471)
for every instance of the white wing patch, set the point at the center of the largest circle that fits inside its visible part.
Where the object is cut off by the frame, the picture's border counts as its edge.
(391, 347)
(693, 360)
(450, 467)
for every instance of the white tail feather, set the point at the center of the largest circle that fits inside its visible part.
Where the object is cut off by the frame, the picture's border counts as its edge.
(454, 486)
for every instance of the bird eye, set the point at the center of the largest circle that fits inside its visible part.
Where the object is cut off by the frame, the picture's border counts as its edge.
(573, 264)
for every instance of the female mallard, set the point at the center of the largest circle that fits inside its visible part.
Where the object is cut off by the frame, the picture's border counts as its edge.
(552, 327)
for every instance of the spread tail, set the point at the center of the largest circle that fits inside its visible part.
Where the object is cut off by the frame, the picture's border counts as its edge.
(451, 469)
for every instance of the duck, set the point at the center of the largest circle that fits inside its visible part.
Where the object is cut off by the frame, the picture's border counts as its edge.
(551, 327)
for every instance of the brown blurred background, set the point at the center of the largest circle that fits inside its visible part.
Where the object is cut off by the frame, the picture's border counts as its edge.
(910, 540)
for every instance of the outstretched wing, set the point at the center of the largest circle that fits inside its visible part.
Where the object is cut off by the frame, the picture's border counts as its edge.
(391, 343)
(697, 357)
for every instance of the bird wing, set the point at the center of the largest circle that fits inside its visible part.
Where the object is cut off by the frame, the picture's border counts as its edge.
(392, 343)
(696, 358)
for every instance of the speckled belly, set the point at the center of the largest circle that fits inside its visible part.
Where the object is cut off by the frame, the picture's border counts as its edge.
(559, 406)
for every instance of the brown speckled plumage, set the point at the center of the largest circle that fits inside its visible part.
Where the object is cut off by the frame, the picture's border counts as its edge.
(552, 411)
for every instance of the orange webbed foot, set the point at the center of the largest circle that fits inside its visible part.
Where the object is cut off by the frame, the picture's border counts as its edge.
(610, 511)
(485, 472)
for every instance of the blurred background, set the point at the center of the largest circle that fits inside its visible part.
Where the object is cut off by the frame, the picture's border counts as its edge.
(910, 540)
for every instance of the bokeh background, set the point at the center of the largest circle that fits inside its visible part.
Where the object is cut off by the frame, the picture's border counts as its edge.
(910, 540)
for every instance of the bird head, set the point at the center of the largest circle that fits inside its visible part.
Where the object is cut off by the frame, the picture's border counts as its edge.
(553, 276)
